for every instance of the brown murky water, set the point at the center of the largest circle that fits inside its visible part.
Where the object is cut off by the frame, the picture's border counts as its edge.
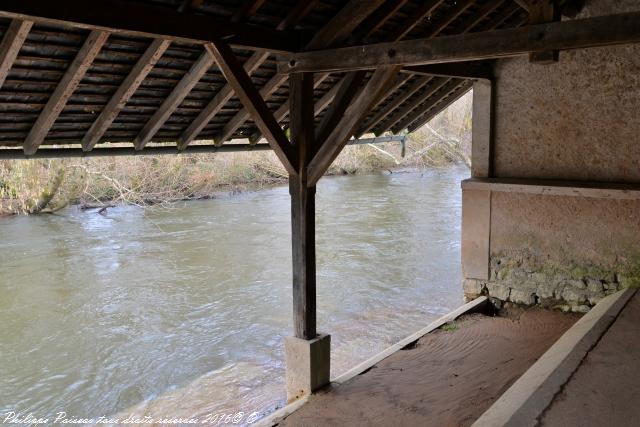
(100, 313)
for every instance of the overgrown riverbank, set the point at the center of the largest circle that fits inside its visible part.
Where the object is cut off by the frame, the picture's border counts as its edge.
(37, 186)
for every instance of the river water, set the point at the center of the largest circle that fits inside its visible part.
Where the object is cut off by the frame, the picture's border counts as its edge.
(99, 313)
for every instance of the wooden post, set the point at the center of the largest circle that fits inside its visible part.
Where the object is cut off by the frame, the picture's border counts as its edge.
(303, 208)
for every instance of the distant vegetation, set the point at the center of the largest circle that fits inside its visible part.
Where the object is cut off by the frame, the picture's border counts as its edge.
(38, 186)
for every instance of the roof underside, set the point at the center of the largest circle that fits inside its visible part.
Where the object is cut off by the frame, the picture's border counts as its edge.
(49, 50)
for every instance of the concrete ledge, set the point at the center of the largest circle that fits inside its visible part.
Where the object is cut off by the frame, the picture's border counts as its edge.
(525, 401)
(598, 190)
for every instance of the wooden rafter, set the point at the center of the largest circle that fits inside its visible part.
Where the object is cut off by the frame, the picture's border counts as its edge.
(12, 41)
(408, 92)
(64, 90)
(133, 18)
(574, 34)
(254, 103)
(249, 8)
(406, 107)
(348, 88)
(434, 30)
(177, 95)
(439, 106)
(125, 91)
(338, 138)
(415, 18)
(444, 91)
(339, 27)
(226, 93)
(283, 110)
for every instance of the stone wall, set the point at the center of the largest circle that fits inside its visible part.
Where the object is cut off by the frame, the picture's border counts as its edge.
(576, 120)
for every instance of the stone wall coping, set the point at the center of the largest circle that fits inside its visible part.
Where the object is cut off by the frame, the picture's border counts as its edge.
(599, 190)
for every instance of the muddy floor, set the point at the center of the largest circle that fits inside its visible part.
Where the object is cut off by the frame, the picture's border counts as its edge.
(449, 378)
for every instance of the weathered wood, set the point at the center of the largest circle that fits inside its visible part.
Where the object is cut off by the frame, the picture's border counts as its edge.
(582, 33)
(430, 102)
(398, 114)
(254, 104)
(439, 106)
(415, 18)
(12, 41)
(435, 30)
(249, 8)
(217, 103)
(402, 79)
(338, 28)
(304, 262)
(343, 23)
(303, 209)
(462, 70)
(541, 11)
(125, 91)
(482, 129)
(148, 20)
(64, 90)
(283, 111)
(407, 93)
(339, 136)
(177, 95)
(348, 87)
(253, 63)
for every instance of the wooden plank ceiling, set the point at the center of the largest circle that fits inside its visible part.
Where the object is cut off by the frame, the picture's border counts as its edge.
(65, 85)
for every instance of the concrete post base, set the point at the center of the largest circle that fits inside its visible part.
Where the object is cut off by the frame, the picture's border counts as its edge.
(308, 363)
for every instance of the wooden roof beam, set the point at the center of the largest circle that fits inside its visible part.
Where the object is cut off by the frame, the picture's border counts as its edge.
(348, 88)
(371, 24)
(400, 112)
(431, 101)
(408, 92)
(415, 18)
(574, 34)
(283, 111)
(148, 20)
(340, 135)
(338, 28)
(125, 91)
(254, 62)
(254, 104)
(440, 106)
(12, 41)
(64, 90)
(175, 98)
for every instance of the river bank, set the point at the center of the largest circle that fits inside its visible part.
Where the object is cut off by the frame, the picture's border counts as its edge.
(39, 186)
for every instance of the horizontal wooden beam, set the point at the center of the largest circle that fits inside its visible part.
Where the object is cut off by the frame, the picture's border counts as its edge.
(125, 91)
(461, 70)
(62, 153)
(148, 20)
(575, 34)
(64, 90)
(12, 41)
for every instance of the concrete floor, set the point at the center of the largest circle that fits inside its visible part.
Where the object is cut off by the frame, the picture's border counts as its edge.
(449, 378)
(605, 389)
